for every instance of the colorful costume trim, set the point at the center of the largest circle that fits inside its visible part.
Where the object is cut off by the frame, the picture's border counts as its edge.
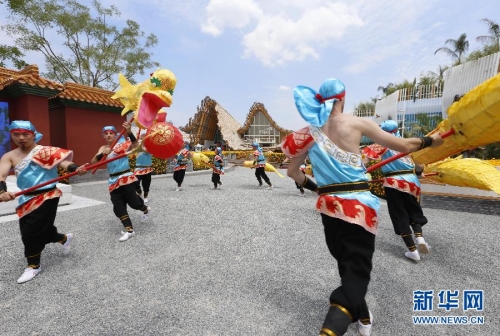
(349, 210)
(121, 181)
(337, 167)
(39, 166)
(297, 143)
(402, 185)
(143, 171)
(36, 201)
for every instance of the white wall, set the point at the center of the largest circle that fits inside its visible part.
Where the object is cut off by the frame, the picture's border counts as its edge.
(462, 78)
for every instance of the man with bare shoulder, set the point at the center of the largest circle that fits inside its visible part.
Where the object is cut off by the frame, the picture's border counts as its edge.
(349, 211)
(122, 181)
(35, 164)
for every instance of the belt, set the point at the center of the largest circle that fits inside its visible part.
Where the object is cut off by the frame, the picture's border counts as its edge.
(39, 191)
(399, 172)
(119, 173)
(343, 187)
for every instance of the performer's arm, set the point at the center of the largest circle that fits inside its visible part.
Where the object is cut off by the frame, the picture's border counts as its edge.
(5, 166)
(72, 167)
(403, 145)
(104, 150)
(130, 135)
(296, 174)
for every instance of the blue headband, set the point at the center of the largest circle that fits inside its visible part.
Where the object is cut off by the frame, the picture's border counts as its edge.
(109, 128)
(218, 150)
(27, 126)
(315, 107)
(390, 126)
(113, 129)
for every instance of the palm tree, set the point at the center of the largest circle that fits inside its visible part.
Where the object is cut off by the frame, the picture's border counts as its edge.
(385, 89)
(439, 75)
(494, 30)
(458, 48)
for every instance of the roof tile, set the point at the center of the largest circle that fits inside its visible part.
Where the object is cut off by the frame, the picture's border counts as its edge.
(30, 76)
(88, 94)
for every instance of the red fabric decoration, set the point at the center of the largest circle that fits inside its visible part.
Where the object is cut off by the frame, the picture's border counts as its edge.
(163, 140)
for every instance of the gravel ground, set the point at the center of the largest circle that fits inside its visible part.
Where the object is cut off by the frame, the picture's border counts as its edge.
(238, 261)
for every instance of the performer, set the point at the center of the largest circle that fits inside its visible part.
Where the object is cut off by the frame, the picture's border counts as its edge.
(180, 167)
(402, 189)
(348, 209)
(35, 164)
(218, 168)
(122, 182)
(143, 170)
(260, 166)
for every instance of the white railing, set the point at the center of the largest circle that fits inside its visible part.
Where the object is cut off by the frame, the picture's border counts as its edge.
(364, 113)
(421, 92)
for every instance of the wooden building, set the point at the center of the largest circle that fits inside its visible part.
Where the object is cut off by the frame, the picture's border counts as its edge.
(212, 123)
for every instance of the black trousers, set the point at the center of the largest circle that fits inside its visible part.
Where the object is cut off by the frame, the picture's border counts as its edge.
(37, 228)
(179, 176)
(405, 211)
(122, 196)
(215, 178)
(145, 180)
(260, 173)
(352, 246)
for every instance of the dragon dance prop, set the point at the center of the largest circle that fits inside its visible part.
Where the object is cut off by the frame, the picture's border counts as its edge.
(57, 179)
(473, 121)
(494, 162)
(473, 173)
(201, 159)
(145, 99)
(163, 140)
(268, 168)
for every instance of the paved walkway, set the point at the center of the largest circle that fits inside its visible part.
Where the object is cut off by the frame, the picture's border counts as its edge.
(239, 261)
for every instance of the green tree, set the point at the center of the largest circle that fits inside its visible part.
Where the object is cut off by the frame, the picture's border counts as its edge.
(494, 31)
(439, 74)
(385, 89)
(12, 54)
(93, 51)
(493, 151)
(423, 125)
(458, 48)
(368, 106)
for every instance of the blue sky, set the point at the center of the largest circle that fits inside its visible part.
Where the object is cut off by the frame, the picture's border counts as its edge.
(242, 51)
